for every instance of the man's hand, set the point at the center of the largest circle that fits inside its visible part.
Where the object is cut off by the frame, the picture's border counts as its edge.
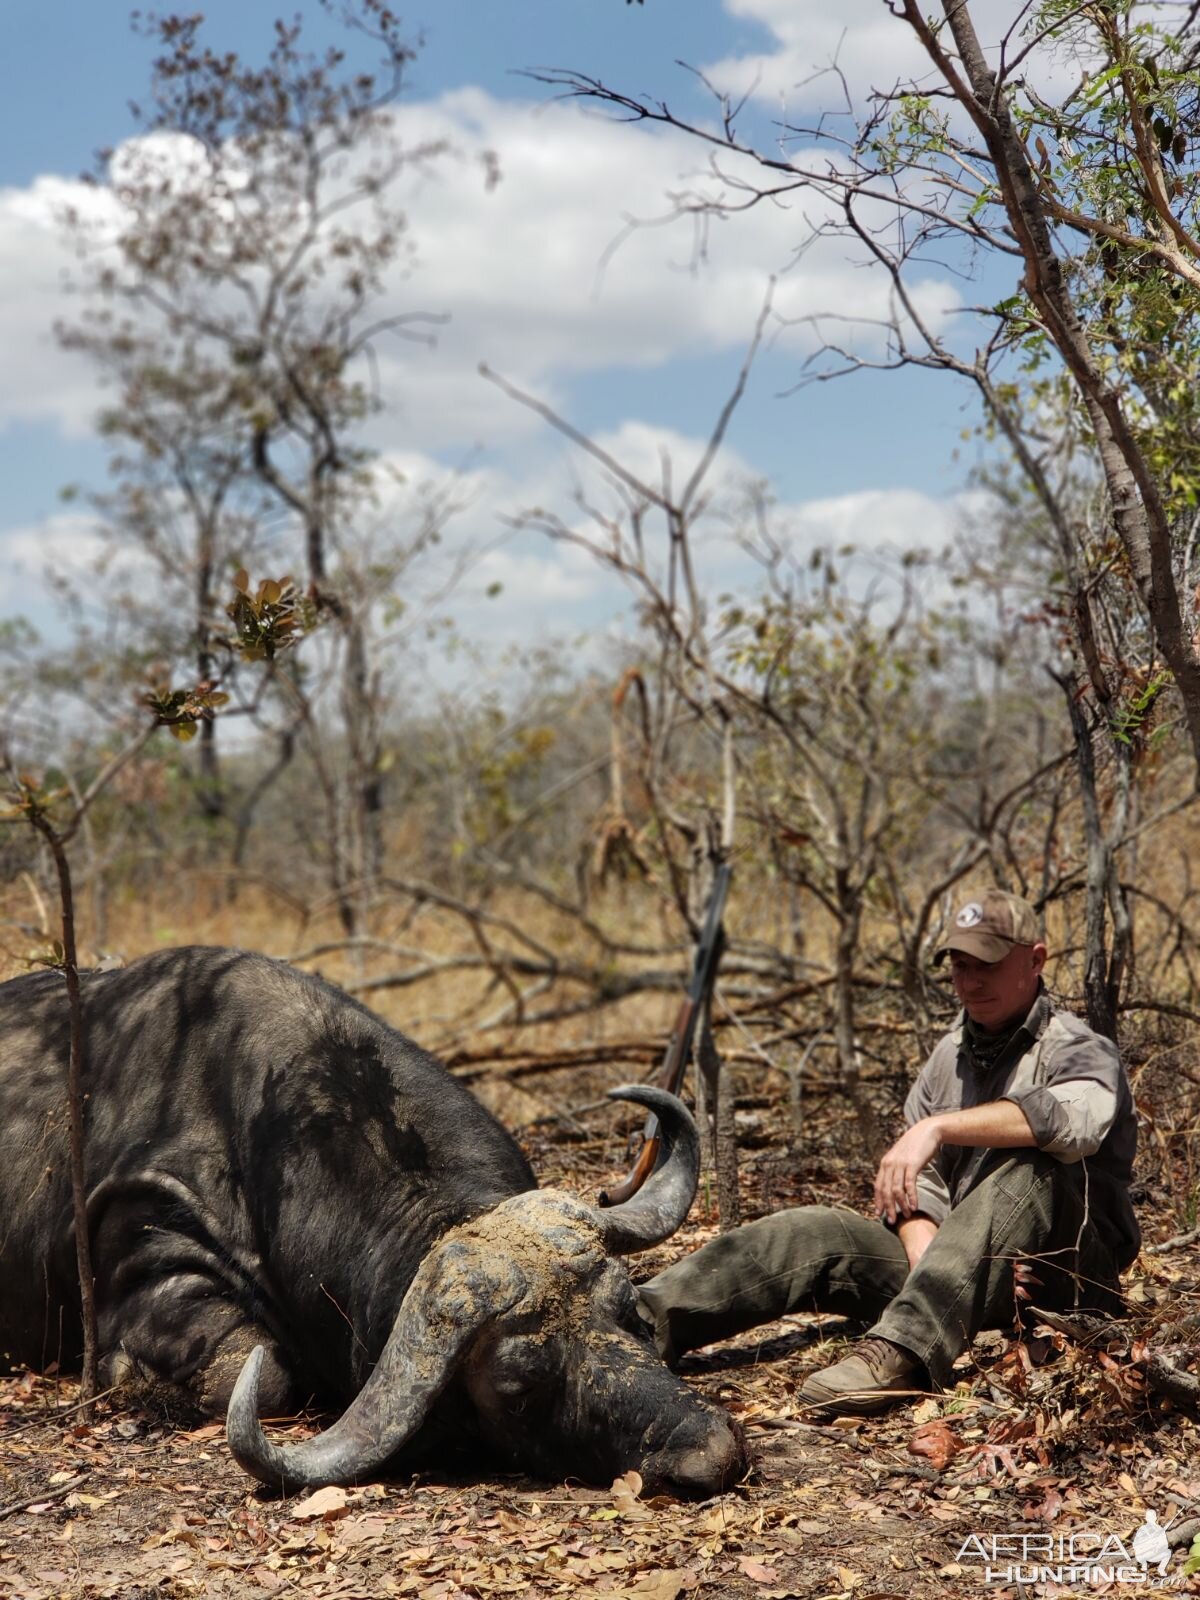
(896, 1180)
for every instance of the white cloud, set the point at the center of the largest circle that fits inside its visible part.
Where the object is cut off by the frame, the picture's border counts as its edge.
(562, 576)
(524, 271)
(872, 49)
(534, 286)
(69, 543)
(664, 459)
(524, 588)
(555, 588)
(899, 518)
(525, 274)
(68, 546)
(41, 382)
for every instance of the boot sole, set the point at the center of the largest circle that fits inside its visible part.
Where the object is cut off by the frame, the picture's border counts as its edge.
(859, 1403)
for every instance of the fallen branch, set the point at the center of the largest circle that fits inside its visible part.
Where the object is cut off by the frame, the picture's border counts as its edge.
(43, 1499)
(1086, 1329)
(1176, 1242)
(511, 1066)
(1164, 1008)
(570, 1114)
(471, 1065)
(1182, 1533)
(1164, 1377)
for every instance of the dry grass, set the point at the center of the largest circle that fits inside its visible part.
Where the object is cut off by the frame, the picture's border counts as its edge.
(445, 1010)
(440, 1011)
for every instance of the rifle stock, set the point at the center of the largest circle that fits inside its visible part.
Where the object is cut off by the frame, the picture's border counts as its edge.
(674, 1065)
(670, 1076)
(634, 1179)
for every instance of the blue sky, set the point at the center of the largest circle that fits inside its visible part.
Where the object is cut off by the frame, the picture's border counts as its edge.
(74, 65)
(648, 349)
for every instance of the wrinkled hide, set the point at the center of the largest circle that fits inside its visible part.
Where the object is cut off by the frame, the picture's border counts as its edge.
(578, 1357)
(281, 1186)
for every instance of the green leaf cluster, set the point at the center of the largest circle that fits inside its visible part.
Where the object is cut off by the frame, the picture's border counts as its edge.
(268, 619)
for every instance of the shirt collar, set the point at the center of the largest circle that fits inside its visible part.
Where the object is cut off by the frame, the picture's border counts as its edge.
(1039, 1013)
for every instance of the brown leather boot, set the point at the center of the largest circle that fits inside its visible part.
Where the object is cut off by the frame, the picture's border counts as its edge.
(865, 1381)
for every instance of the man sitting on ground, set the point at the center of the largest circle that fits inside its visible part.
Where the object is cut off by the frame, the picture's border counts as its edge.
(1019, 1147)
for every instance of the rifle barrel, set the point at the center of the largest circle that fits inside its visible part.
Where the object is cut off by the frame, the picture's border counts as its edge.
(679, 1048)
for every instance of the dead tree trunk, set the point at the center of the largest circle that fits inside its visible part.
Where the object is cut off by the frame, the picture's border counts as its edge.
(718, 1129)
(849, 907)
(1138, 513)
(1104, 970)
(77, 1107)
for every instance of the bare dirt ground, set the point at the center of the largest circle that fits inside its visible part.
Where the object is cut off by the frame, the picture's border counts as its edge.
(136, 1506)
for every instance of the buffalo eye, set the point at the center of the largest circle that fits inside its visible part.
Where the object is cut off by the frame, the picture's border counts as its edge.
(515, 1368)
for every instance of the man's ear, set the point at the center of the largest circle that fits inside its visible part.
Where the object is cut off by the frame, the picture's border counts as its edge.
(1038, 959)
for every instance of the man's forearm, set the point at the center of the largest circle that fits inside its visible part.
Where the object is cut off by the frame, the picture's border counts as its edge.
(998, 1125)
(916, 1234)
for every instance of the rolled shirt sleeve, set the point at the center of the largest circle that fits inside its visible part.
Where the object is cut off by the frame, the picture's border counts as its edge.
(1071, 1113)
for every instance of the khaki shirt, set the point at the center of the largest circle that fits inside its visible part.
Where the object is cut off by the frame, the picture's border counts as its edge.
(1072, 1087)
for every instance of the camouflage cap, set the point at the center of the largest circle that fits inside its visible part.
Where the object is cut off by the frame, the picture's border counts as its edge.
(987, 923)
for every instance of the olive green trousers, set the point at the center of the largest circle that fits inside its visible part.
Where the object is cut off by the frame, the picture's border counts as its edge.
(1026, 1207)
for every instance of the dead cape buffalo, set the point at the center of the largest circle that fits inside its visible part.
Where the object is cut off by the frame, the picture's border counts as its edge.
(283, 1187)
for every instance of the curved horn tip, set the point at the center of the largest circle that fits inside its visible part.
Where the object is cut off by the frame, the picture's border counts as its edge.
(245, 1390)
(625, 1091)
(247, 1443)
(658, 1208)
(647, 1094)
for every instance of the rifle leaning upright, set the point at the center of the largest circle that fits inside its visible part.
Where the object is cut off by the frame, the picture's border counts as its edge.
(678, 1053)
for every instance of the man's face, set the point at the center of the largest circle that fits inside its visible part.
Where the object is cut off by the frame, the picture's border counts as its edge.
(997, 993)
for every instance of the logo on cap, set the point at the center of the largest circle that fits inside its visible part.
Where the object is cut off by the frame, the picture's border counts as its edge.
(970, 916)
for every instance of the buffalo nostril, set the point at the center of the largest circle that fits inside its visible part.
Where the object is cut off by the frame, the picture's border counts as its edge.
(701, 1469)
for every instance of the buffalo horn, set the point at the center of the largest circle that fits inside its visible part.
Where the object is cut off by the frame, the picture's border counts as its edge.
(662, 1203)
(454, 1293)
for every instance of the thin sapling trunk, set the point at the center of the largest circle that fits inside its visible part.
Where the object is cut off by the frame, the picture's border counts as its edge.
(77, 1107)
